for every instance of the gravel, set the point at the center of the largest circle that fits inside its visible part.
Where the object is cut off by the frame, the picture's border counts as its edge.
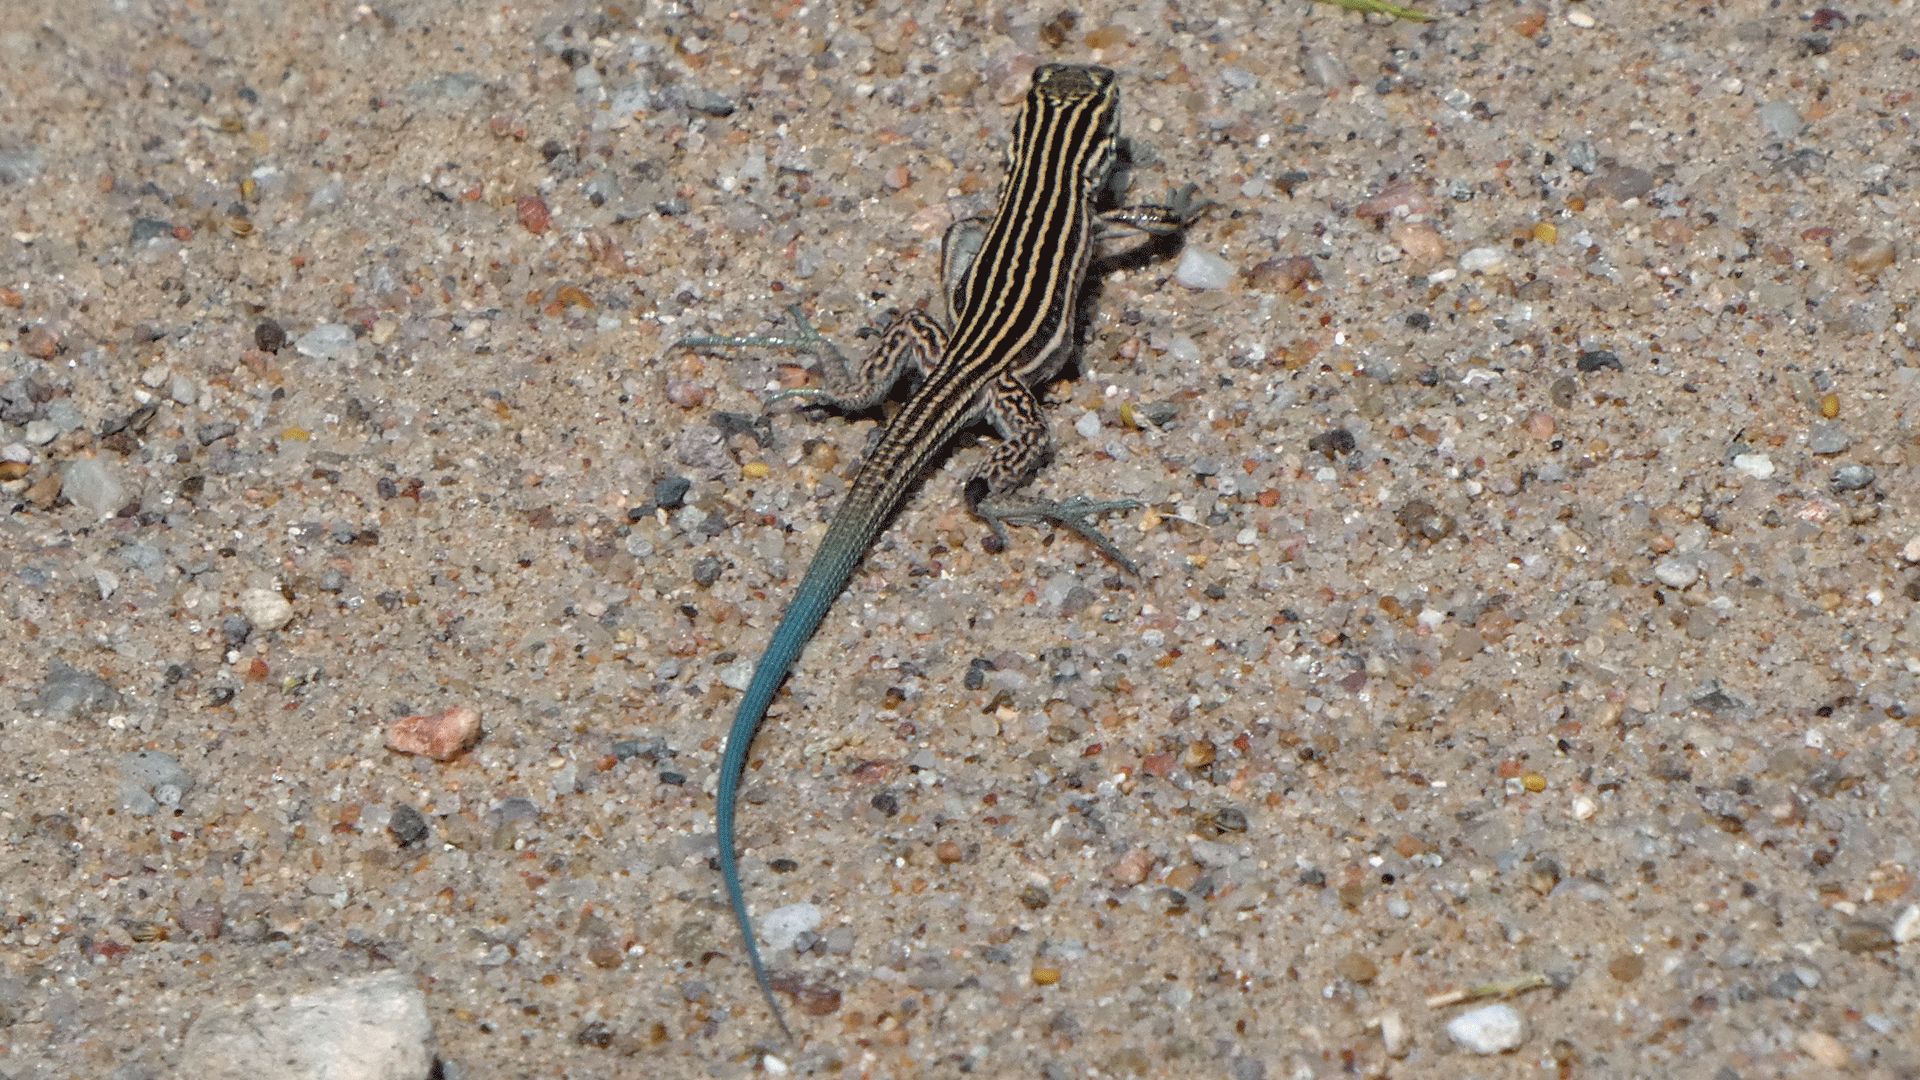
(1571, 650)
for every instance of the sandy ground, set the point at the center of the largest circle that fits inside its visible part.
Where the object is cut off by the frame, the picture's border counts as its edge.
(1529, 584)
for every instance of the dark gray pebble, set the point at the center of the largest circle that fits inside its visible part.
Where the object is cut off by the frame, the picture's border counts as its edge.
(671, 493)
(407, 825)
(1852, 478)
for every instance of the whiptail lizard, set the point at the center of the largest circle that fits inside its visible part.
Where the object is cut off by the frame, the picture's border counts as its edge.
(1012, 285)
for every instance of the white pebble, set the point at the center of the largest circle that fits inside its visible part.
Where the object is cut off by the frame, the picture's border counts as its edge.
(266, 609)
(328, 341)
(1489, 1030)
(1393, 1032)
(1758, 466)
(41, 432)
(1907, 927)
(90, 484)
(1201, 269)
(1580, 19)
(1676, 573)
(1398, 907)
(1911, 552)
(782, 925)
(1088, 425)
(737, 675)
(1481, 259)
(1584, 807)
(1780, 118)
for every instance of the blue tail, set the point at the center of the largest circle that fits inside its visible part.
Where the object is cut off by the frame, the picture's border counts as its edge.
(845, 542)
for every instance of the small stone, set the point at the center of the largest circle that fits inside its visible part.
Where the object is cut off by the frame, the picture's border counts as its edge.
(1200, 269)
(206, 919)
(328, 341)
(266, 609)
(1861, 937)
(1676, 573)
(150, 779)
(1088, 425)
(1849, 478)
(68, 692)
(1491, 1030)
(1483, 260)
(269, 336)
(1823, 1048)
(1356, 967)
(439, 737)
(1867, 254)
(1324, 69)
(1626, 967)
(146, 228)
(1394, 1035)
(1911, 552)
(1780, 118)
(737, 675)
(1827, 439)
(371, 1027)
(706, 101)
(1907, 927)
(90, 484)
(1133, 868)
(1758, 466)
(407, 825)
(1398, 907)
(782, 925)
(40, 432)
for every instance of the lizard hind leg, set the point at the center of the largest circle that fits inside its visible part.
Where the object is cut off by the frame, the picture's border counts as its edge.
(912, 343)
(1025, 445)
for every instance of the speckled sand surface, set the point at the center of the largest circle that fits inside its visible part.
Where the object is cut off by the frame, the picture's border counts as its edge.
(1587, 652)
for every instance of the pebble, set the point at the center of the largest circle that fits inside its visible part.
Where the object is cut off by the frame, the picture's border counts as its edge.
(1676, 573)
(1823, 1048)
(41, 432)
(1827, 439)
(1398, 907)
(266, 609)
(438, 737)
(1482, 260)
(68, 692)
(1758, 466)
(1911, 552)
(1906, 928)
(1324, 69)
(90, 484)
(328, 341)
(1394, 1034)
(1201, 269)
(373, 1027)
(1491, 1030)
(1780, 118)
(1852, 478)
(1088, 425)
(782, 925)
(150, 780)
(737, 675)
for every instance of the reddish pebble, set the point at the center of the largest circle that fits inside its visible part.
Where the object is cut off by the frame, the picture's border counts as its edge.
(40, 344)
(207, 919)
(686, 393)
(438, 737)
(1134, 867)
(896, 178)
(534, 215)
(1403, 199)
(1540, 426)
(1160, 765)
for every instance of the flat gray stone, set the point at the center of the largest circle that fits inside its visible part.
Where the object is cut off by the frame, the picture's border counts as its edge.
(374, 1027)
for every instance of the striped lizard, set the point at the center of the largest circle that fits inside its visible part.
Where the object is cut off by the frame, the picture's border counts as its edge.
(1012, 284)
